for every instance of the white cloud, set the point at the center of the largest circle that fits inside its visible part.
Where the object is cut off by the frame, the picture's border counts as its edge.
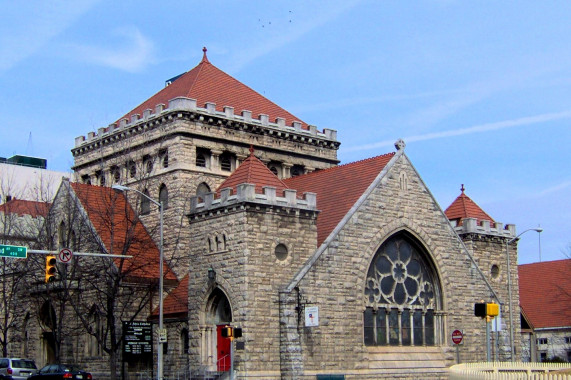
(470, 130)
(28, 25)
(554, 189)
(133, 54)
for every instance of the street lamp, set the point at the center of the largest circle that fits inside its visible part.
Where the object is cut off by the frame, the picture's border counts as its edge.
(508, 242)
(159, 343)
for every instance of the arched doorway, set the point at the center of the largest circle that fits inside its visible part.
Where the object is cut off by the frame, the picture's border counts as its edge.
(402, 296)
(48, 322)
(218, 315)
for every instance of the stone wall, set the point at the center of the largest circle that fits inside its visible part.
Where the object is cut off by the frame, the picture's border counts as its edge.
(249, 273)
(335, 283)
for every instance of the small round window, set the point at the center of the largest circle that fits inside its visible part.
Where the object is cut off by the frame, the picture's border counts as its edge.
(495, 271)
(281, 252)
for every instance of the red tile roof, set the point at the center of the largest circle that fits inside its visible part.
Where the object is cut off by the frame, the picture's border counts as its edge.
(177, 300)
(253, 171)
(545, 293)
(464, 207)
(207, 83)
(120, 231)
(22, 207)
(338, 189)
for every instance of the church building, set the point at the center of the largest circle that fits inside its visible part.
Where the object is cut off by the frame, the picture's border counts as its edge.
(319, 268)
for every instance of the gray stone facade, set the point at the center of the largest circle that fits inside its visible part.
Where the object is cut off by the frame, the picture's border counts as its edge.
(254, 259)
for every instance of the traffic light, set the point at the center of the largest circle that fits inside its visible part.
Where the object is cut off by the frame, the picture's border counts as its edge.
(50, 268)
(480, 310)
(484, 310)
(492, 309)
(226, 332)
(231, 332)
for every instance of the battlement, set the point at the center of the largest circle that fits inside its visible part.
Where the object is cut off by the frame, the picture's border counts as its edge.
(246, 192)
(206, 114)
(471, 226)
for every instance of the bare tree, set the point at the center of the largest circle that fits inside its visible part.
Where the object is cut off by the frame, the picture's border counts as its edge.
(102, 292)
(20, 223)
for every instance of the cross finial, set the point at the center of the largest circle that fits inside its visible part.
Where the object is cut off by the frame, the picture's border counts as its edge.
(204, 58)
(251, 149)
(462, 189)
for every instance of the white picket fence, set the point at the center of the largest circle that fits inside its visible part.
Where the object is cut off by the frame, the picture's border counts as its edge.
(510, 371)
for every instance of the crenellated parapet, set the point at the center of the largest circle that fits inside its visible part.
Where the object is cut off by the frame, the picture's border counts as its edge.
(182, 107)
(485, 227)
(208, 204)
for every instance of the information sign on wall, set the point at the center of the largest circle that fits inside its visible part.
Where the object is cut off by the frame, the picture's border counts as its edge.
(138, 340)
(312, 316)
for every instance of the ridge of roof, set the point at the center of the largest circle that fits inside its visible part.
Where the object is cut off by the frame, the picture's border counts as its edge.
(545, 292)
(338, 188)
(464, 207)
(207, 83)
(120, 231)
(252, 170)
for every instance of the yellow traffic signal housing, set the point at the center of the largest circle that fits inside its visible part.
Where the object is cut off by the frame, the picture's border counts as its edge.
(226, 332)
(492, 309)
(50, 268)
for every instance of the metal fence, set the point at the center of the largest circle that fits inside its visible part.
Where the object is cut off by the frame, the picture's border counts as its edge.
(510, 371)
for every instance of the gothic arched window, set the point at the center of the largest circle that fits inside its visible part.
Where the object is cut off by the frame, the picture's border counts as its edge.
(164, 196)
(145, 203)
(201, 190)
(402, 296)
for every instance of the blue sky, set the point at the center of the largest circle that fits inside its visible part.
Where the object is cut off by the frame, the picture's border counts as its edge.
(480, 91)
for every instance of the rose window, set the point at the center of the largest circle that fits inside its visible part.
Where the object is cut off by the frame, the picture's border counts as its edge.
(401, 296)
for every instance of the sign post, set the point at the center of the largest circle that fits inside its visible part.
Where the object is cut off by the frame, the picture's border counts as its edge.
(13, 251)
(457, 338)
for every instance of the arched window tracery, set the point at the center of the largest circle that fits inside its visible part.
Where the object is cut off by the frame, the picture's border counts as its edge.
(402, 296)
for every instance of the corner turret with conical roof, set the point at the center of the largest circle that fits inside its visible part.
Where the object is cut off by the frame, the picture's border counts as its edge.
(487, 241)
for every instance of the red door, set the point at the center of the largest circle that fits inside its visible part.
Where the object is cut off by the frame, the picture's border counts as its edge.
(223, 348)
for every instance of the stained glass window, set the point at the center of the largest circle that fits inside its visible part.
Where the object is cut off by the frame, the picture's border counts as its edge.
(401, 296)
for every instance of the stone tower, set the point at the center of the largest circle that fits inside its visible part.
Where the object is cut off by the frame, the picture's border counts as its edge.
(487, 241)
(253, 236)
(188, 138)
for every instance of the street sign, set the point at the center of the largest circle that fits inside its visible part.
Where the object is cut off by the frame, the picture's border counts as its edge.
(65, 255)
(13, 251)
(457, 336)
(162, 335)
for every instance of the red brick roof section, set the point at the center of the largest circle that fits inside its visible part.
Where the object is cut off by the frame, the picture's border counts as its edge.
(338, 189)
(464, 207)
(22, 207)
(177, 300)
(253, 171)
(545, 293)
(120, 231)
(207, 83)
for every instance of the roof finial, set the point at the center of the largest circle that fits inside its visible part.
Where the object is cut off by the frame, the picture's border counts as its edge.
(462, 189)
(251, 149)
(204, 58)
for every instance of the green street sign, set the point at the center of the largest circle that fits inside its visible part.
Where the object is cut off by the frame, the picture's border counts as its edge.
(13, 251)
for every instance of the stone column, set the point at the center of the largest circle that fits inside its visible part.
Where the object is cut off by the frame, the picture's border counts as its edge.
(215, 160)
(286, 170)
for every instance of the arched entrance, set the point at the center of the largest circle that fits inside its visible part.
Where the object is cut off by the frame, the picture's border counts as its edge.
(48, 341)
(216, 352)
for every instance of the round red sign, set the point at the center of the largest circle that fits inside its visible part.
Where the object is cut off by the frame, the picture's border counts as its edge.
(457, 336)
